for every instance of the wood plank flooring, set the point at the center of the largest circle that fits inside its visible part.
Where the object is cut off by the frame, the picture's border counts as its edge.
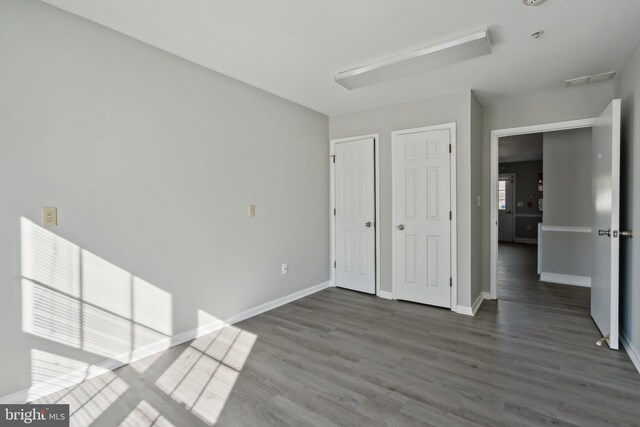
(343, 358)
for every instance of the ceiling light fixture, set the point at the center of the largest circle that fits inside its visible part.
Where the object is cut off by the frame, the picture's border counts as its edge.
(537, 34)
(532, 2)
(449, 52)
(595, 78)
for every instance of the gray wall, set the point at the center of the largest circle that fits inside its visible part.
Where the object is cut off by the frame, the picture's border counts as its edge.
(443, 109)
(526, 184)
(567, 201)
(628, 89)
(477, 112)
(562, 104)
(152, 162)
(567, 178)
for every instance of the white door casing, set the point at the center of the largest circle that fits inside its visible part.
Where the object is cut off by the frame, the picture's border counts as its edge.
(606, 222)
(506, 216)
(422, 206)
(355, 215)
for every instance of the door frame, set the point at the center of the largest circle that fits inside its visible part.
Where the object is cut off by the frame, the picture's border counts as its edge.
(513, 202)
(332, 195)
(451, 127)
(493, 187)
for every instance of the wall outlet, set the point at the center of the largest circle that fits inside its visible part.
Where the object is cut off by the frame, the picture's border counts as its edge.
(285, 268)
(252, 211)
(49, 217)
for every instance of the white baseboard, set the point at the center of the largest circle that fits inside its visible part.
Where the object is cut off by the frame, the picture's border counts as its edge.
(633, 352)
(486, 295)
(385, 294)
(471, 311)
(565, 279)
(54, 385)
(525, 240)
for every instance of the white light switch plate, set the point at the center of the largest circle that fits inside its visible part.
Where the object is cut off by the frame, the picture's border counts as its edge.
(252, 211)
(285, 268)
(49, 217)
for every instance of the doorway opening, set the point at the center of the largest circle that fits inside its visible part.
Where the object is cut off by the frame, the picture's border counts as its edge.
(580, 226)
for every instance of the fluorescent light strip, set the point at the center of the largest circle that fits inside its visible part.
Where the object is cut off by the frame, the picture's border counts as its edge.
(595, 78)
(449, 52)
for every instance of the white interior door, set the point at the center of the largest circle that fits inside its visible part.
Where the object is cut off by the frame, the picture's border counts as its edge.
(355, 215)
(422, 212)
(506, 210)
(606, 221)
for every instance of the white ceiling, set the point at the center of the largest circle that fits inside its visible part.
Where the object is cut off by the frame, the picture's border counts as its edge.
(294, 48)
(520, 148)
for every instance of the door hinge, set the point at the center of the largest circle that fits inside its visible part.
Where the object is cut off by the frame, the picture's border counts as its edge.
(333, 158)
(450, 215)
(451, 282)
(449, 148)
(334, 264)
(334, 211)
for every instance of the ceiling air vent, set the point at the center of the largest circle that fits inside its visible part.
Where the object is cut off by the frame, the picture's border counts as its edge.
(590, 79)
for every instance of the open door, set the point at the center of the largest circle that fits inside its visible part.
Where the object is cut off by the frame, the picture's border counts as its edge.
(606, 223)
(506, 216)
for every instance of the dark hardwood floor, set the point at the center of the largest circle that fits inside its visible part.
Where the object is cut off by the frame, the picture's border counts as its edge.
(342, 358)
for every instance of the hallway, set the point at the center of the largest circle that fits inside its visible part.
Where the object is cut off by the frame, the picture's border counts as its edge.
(518, 281)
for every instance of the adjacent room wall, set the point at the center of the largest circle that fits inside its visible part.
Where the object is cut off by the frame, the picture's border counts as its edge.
(527, 217)
(567, 203)
(567, 178)
(627, 88)
(152, 163)
(442, 109)
(560, 105)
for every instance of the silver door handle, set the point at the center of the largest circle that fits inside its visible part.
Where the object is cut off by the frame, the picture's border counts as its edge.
(604, 233)
(401, 227)
(626, 233)
(368, 224)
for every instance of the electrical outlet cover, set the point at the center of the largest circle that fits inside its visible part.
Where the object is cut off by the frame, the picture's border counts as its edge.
(49, 217)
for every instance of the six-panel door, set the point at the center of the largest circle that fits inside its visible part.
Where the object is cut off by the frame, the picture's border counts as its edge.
(355, 215)
(422, 210)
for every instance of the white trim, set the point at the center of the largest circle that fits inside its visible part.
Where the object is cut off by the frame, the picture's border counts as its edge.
(493, 206)
(528, 241)
(385, 294)
(471, 311)
(566, 279)
(633, 352)
(453, 201)
(563, 229)
(332, 192)
(54, 385)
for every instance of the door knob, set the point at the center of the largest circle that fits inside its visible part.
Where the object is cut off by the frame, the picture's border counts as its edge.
(401, 227)
(368, 224)
(604, 233)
